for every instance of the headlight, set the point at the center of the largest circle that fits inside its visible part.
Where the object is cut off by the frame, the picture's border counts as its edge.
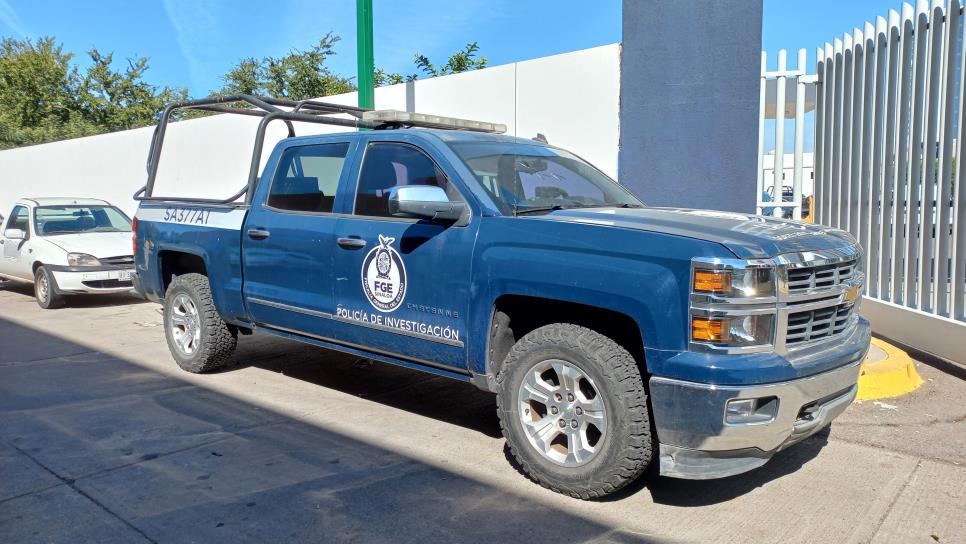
(735, 282)
(733, 331)
(82, 259)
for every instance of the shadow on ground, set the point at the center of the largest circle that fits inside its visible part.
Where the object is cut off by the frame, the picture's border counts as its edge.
(96, 448)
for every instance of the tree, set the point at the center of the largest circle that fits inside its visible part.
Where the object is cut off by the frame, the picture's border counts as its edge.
(44, 97)
(296, 76)
(119, 100)
(461, 61)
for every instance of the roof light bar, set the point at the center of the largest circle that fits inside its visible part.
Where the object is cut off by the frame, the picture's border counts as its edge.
(430, 121)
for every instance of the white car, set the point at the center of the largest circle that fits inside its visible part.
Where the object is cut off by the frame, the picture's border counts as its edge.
(67, 246)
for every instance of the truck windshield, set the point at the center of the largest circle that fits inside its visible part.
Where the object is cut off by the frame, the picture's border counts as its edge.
(525, 178)
(54, 220)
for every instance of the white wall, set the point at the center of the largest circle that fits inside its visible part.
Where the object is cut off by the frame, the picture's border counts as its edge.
(571, 98)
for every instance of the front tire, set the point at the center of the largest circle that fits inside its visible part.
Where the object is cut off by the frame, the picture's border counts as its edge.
(45, 289)
(573, 409)
(198, 338)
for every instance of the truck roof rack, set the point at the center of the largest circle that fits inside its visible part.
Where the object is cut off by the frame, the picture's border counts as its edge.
(302, 111)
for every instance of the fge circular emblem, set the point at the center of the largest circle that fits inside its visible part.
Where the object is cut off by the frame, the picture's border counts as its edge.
(384, 276)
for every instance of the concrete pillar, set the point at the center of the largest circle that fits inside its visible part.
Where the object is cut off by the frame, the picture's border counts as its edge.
(689, 102)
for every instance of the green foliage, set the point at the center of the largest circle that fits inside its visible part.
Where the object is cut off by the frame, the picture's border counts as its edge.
(461, 61)
(43, 97)
(296, 76)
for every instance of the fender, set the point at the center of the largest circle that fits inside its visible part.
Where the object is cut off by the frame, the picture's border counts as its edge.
(640, 274)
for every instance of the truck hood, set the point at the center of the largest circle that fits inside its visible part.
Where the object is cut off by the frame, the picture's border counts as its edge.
(98, 244)
(747, 236)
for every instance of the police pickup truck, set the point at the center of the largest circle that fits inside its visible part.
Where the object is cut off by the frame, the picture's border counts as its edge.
(614, 335)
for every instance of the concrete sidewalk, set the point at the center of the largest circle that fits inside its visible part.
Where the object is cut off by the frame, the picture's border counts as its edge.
(104, 439)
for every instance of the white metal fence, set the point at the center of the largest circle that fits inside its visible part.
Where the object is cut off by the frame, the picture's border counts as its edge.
(889, 124)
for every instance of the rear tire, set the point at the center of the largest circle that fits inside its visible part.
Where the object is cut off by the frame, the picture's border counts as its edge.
(45, 289)
(592, 439)
(198, 338)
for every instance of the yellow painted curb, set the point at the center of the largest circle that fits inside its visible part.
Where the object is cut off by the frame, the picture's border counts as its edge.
(892, 376)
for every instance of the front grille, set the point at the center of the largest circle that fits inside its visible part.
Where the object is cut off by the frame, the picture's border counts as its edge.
(122, 259)
(108, 284)
(811, 325)
(806, 278)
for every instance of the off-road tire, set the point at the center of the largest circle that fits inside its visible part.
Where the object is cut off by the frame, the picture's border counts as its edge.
(51, 299)
(626, 448)
(218, 339)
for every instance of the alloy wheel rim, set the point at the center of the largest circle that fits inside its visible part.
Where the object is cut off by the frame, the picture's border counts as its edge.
(562, 413)
(185, 324)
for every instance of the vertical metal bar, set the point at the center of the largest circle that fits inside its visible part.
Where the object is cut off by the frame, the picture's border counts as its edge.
(875, 201)
(853, 190)
(364, 51)
(889, 194)
(927, 209)
(958, 287)
(943, 178)
(862, 190)
(779, 168)
(900, 221)
(799, 137)
(915, 151)
(818, 162)
(761, 130)
(835, 179)
(848, 109)
(821, 201)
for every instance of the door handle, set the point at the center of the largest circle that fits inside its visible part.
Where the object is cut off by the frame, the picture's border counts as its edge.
(257, 234)
(351, 243)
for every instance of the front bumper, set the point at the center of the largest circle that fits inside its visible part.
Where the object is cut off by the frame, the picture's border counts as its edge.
(697, 443)
(100, 279)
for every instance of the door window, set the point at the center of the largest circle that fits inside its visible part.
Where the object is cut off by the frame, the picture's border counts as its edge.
(18, 219)
(389, 165)
(307, 178)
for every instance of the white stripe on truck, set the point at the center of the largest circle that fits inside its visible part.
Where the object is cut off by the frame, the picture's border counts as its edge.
(218, 218)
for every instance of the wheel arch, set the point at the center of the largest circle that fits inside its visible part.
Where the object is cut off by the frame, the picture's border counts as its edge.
(514, 315)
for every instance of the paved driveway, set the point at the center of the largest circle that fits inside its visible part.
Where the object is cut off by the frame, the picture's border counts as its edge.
(104, 439)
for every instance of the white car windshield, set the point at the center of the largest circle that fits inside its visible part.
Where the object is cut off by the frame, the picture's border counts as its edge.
(54, 220)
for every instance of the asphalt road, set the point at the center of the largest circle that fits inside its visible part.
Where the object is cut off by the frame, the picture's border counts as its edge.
(103, 439)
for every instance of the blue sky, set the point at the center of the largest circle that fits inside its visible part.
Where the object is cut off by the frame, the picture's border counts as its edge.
(191, 43)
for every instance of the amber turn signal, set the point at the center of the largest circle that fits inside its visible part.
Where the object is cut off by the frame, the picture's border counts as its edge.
(710, 330)
(712, 281)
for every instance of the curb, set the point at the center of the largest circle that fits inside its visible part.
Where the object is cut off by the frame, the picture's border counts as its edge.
(888, 373)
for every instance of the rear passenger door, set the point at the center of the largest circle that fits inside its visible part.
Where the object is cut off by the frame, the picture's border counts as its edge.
(289, 238)
(402, 284)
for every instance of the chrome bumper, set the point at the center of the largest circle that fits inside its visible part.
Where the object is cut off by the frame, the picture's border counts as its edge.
(697, 443)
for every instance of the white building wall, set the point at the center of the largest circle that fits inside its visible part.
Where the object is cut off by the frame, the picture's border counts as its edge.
(571, 98)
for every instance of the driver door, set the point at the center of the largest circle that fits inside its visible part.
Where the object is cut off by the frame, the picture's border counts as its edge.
(402, 284)
(16, 253)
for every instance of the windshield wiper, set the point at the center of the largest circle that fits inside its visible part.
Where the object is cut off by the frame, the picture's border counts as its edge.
(517, 210)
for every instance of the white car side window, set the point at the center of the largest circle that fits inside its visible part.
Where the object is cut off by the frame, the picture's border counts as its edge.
(18, 219)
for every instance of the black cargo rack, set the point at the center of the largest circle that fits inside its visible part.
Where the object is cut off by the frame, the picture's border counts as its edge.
(269, 109)
(303, 111)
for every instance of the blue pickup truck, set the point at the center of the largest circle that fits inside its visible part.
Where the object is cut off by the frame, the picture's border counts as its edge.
(614, 335)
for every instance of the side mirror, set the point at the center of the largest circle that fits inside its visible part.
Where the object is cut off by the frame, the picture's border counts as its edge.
(14, 234)
(426, 201)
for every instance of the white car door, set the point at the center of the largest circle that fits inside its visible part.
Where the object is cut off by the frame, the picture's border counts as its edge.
(16, 262)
